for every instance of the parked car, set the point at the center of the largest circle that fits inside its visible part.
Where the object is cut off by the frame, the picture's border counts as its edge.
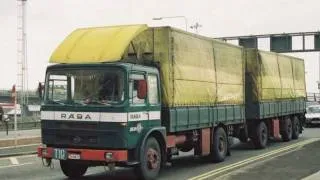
(313, 115)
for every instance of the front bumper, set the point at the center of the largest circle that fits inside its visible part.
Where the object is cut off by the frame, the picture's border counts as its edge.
(313, 121)
(86, 154)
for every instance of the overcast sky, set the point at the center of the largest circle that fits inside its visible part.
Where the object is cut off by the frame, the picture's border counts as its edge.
(48, 22)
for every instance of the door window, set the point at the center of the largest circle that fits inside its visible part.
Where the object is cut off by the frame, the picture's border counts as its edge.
(133, 89)
(153, 89)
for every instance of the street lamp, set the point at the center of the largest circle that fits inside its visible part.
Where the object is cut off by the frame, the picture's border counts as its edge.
(171, 17)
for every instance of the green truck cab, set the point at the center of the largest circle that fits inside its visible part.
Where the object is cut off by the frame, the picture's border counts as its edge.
(135, 96)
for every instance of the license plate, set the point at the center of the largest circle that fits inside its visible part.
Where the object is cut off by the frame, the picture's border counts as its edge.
(73, 156)
(61, 154)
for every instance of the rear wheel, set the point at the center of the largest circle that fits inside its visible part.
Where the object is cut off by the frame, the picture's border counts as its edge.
(150, 160)
(295, 128)
(72, 169)
(260, 136)
(219, 145)
(286, 132)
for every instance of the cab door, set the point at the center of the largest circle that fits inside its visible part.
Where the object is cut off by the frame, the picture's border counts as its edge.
(138, 114)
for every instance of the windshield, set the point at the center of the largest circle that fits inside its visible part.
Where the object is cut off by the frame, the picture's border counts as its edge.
(100, 87)
(315, 109)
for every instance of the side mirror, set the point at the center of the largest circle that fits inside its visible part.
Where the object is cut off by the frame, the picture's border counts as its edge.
(40, 90)
(142, 89)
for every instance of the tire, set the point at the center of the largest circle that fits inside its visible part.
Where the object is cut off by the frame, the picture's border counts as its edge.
(286, 130)
(295, 128)
(150, 160)
(243, 137)
(72, 169)
(219, 146)
(260, 136)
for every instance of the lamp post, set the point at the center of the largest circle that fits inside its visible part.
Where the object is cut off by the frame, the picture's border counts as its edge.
(172, 17)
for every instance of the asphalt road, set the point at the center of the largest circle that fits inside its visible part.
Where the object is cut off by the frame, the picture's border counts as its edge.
(294, 162)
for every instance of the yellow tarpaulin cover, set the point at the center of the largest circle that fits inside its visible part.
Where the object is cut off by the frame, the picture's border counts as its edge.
(195, 70)
(274, 76)
(94, 45)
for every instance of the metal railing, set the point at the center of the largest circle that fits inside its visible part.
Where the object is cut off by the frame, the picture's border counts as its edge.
(21, 125)
(313, 97)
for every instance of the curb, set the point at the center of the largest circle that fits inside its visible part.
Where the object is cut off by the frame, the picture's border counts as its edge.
(20, 141)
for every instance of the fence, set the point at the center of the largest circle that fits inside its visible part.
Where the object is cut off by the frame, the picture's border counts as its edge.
(313, 97)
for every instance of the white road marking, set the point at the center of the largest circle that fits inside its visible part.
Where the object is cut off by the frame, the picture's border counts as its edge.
(314, 176)
(3, 167)
(14, 161)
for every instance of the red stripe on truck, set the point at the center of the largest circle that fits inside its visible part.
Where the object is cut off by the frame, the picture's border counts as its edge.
(89, 154)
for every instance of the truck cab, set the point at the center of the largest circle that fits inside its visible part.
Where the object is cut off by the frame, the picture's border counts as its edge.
(98, 112)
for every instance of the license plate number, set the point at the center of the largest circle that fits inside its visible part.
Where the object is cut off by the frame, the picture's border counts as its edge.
(61, 154)
(73, 156)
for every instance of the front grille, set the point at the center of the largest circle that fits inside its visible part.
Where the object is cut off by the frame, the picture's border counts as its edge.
(76, 125)
(83, 134)
(75, 140)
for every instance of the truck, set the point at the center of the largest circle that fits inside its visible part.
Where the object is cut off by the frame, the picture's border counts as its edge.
(135, 96)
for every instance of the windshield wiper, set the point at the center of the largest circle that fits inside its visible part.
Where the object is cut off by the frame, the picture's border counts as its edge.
(56, 102)
(95, 102)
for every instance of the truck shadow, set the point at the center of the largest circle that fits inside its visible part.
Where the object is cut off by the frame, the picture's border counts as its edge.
(182, 163)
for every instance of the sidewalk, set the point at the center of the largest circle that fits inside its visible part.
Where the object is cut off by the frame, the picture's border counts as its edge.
(24, 137)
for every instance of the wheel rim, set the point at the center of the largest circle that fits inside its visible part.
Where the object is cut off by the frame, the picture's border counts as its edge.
(221, 146)
(152, 158)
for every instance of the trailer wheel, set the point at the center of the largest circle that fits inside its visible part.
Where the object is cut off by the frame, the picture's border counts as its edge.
(295, 128)
(72, 169)
(260, 136)
(150, 160)
(286, 132)
(219, 145)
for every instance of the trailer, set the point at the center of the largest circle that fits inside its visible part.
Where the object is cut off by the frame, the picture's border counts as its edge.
(135, 96)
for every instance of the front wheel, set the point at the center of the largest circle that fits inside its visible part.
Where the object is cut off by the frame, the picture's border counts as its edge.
(150, 160)
(72, 169)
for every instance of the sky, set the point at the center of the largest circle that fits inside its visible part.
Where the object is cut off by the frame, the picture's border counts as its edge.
(49, 22)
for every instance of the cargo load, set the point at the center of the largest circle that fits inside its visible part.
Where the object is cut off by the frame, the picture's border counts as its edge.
(274, 77)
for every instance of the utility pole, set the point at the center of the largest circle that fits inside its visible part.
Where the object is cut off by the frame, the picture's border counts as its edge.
(22, 62)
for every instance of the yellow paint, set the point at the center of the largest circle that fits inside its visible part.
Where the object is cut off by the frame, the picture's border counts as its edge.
(252, 159)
